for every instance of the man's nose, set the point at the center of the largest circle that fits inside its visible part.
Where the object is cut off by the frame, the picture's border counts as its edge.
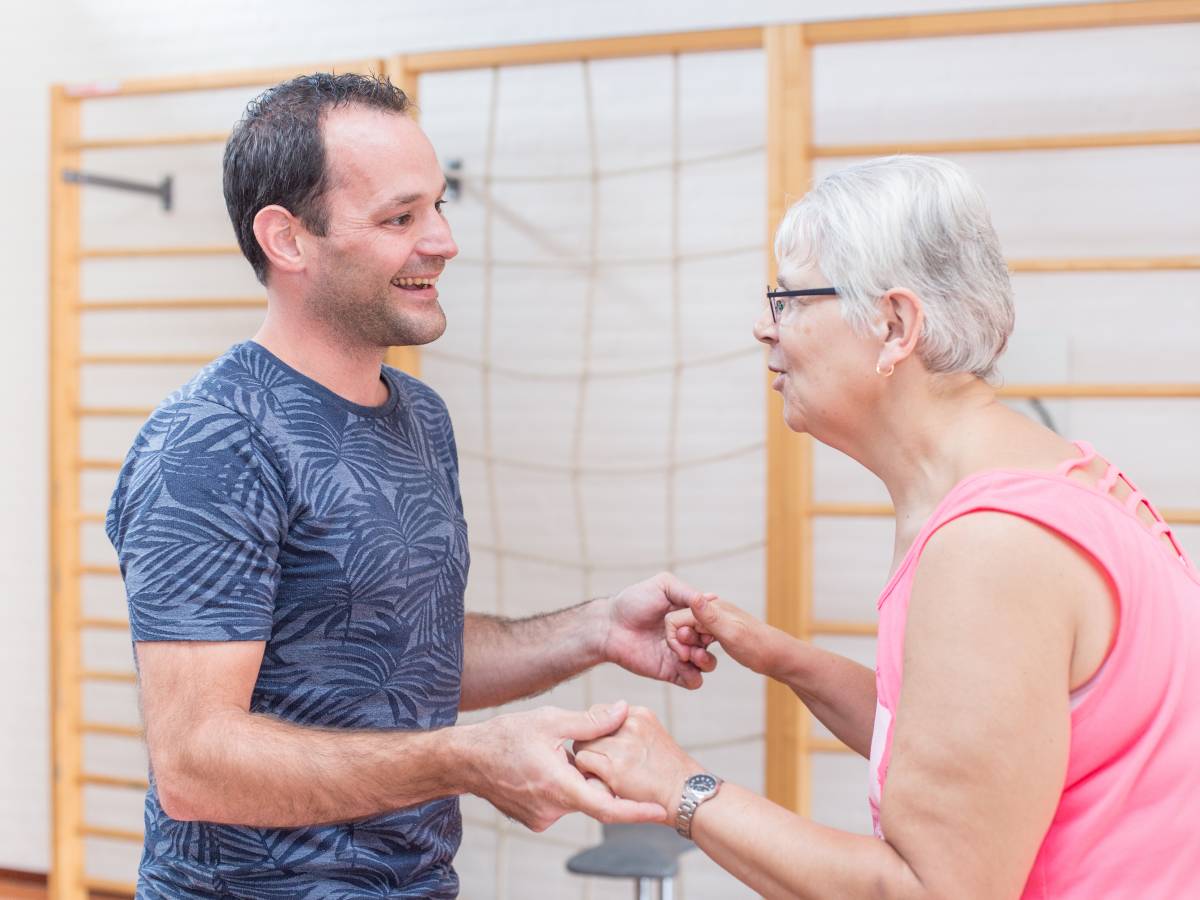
(438, 241)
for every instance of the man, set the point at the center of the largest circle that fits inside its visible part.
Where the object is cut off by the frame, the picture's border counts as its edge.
(291, 535)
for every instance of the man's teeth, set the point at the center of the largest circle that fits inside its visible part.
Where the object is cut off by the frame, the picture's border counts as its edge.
(414, 282)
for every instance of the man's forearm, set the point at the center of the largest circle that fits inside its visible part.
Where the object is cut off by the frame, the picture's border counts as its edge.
(242, 768)
(505, 659)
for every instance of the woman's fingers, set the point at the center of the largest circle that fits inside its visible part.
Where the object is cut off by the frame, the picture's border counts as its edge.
(680, 635)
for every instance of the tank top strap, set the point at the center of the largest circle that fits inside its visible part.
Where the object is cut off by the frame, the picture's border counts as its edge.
(1111, 476)
(1134, 500)
(1157, 528)
(1087, 454)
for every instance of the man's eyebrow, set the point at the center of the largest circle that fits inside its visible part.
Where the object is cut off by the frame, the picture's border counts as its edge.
(405, 199)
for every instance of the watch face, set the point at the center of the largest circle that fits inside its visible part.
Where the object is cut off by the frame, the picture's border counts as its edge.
(702, 784)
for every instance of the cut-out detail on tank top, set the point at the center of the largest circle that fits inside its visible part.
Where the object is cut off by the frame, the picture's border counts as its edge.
(1108, 486)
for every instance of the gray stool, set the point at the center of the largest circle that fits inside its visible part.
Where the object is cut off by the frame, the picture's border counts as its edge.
(649, 854)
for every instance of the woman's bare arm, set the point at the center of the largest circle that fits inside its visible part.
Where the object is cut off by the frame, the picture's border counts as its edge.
(980, 746)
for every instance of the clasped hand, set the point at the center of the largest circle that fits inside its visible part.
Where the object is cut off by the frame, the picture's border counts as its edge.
(640, 761)
(614, 762)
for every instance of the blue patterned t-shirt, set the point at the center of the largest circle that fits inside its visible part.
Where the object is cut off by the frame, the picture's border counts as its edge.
(257, 505)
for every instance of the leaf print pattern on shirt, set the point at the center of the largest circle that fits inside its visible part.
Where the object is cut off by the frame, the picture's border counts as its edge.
(257, 505)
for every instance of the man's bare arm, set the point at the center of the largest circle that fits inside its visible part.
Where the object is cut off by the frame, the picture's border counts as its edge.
(505, 659)
(216, 761)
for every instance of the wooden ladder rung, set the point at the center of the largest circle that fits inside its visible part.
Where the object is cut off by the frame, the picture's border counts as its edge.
(137, 784)
(117, 834)
(108, 675)
(110, 729)
(115, 624)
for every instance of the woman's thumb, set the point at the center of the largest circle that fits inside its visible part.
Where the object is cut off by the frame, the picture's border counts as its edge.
(704, 608)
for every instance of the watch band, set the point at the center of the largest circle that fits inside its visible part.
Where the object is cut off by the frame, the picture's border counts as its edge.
(696, 790)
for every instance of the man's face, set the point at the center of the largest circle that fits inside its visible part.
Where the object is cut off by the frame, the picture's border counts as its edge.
(375, 272)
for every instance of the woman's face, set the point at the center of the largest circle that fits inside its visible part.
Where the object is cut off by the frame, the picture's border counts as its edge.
(826, 371)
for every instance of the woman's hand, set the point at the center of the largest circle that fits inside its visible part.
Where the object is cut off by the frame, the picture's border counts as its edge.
(639, 762)
(751, 642)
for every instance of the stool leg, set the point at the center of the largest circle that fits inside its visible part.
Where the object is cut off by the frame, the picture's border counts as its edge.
(666, 889)
(643, 889)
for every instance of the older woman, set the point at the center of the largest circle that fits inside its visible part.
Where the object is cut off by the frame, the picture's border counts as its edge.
(1032, 724)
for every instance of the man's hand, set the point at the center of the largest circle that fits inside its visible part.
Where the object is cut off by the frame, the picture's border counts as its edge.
(521, 764)
(633, 628)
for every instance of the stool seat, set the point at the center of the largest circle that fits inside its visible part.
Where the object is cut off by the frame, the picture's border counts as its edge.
(632, 851)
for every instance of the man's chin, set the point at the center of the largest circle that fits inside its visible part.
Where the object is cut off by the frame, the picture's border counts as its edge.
(416, 331)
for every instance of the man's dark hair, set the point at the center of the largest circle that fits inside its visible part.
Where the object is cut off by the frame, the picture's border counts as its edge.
(276, 152)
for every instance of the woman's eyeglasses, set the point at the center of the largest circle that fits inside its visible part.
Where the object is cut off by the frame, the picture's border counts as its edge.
(775, 298)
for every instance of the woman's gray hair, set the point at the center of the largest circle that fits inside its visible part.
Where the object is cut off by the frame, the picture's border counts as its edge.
(913, 222)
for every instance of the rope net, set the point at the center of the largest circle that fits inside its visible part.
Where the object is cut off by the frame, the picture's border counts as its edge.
(607, 390)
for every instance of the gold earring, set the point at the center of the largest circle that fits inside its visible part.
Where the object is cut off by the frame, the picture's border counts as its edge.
(890, 369)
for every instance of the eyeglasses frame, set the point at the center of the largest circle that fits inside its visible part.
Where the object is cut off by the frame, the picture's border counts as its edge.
(773, 296)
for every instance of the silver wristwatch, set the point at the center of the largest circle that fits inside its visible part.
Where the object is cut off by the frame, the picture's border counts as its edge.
(696, 790)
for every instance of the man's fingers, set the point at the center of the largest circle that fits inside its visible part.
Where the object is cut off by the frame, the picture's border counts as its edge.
(703, 659)
(677, 592)
(699, 638)
(599, 720)
(589, 762)
(598, 787)
(604, 807)
(620, 810)
(688, 676)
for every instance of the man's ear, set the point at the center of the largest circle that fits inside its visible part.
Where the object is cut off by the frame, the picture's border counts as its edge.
(902, 319)
(278, 233)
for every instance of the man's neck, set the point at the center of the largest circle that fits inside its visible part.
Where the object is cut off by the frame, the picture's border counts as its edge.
(350, 372)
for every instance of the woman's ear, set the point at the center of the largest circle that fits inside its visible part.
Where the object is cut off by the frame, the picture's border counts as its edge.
(277, 232)
(902, 318)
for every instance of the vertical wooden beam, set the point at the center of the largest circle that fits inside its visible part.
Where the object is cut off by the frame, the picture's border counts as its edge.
(67, 867)
(407, 359)
(789, 456)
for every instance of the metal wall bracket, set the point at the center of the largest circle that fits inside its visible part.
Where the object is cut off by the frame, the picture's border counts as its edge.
(162, 190)
(454, 179)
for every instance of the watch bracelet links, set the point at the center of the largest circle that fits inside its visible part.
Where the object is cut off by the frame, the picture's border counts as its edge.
(683, 816)
(689, 803)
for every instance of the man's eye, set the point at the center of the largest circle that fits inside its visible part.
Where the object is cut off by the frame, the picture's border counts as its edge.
(439, 206)
(402, 219)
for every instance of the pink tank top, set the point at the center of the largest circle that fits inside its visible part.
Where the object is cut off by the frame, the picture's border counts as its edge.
(1128, 821)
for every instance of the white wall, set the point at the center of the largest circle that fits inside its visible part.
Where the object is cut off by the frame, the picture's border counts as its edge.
(27, 39)
(859, 99)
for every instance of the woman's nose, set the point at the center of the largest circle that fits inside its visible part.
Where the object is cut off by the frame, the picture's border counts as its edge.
(765, 329)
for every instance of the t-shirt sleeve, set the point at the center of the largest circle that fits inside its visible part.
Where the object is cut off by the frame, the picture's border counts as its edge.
(197, 520)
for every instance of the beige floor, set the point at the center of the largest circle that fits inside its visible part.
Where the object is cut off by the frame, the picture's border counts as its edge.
(26, 889)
